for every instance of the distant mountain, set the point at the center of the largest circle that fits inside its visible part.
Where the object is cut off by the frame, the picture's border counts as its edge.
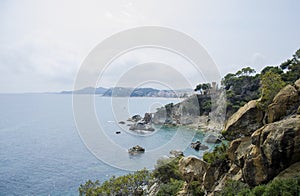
(87, 90)
(131, 92)
(146, 92)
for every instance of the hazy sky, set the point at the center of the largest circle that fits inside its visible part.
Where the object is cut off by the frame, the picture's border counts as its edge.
(43, 43)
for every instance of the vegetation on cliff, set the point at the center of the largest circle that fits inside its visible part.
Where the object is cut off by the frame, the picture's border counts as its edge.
(277, 187)
(264, 139)
(129, 184)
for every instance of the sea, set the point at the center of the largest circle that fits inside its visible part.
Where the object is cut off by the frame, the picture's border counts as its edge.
(43, 152)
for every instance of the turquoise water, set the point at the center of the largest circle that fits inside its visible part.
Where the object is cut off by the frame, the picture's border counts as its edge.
(41, 152)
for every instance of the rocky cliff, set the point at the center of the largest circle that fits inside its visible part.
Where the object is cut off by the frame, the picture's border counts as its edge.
(259, 150)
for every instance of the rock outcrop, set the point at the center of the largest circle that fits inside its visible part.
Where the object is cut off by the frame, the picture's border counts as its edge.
(192, 168)
(238, 124)
(135, 118)
(261, 152)
(214, 173)
(265, 145)
(297, 85)
(274, 148)
(198, 146)
(140, 126)
(286, 102)
(147, 118)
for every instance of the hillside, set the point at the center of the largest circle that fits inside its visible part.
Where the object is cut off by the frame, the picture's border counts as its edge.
(131, 92)
(262, 156)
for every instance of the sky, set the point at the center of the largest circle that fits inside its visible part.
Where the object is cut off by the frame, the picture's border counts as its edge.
(44, 43)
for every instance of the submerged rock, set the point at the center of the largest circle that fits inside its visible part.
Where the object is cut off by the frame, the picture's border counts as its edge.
(213, 139)
(176, 153)
(141, 126)
(196, 145)
(136, 150)
(135, 118)
(203, 147)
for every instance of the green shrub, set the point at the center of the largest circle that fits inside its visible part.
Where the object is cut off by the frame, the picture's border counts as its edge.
(123, 185)
(284, 187)
(233, 188)
(167, 169)
(88, 188)
(218, 155)
(170, 188)
(195, 189)
(271, 83)
(259, 190)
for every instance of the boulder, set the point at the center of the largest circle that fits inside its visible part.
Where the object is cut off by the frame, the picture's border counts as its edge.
(136, 150)
(135, 118)
(192, 168)
(274, 148)
(244, 122)
(213, 174)
(237, 149)
(122, 122)
(176, 153)
(286, 102)
(147, 118)
(196, 145)
(203, 147)
(213, 139)
(141, 126)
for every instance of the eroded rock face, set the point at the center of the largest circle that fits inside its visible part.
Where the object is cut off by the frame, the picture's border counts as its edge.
(237, 149)
(192, 168)
(274, 147)
(244, 122)
(214, 174)
(147, 118)
(290, 172)
(297, 85)
(286, 102)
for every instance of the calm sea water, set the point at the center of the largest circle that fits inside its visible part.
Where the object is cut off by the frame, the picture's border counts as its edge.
(41, 152)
